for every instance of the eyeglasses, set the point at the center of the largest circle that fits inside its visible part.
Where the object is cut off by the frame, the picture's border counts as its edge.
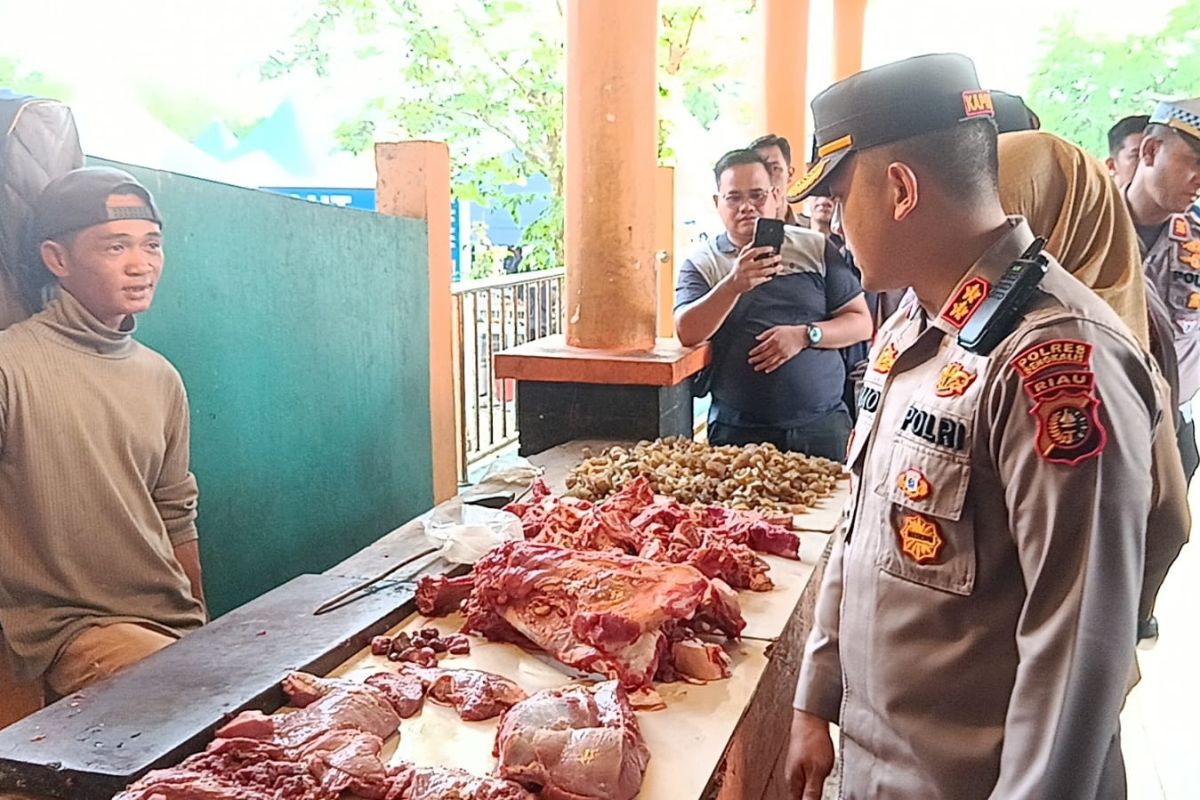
(756, 198)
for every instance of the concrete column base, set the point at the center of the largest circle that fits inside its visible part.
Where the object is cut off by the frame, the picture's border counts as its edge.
(566, 393)
(550, 414)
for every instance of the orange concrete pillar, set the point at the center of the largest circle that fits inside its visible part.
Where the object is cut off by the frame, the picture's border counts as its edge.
(849, 18)
(785, 65)
(413, 180)
(611, 146)
(664, 249)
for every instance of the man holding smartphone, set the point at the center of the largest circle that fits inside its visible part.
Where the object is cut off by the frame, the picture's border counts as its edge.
(776, 313)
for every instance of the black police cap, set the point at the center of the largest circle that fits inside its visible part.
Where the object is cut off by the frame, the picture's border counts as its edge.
(889, 103)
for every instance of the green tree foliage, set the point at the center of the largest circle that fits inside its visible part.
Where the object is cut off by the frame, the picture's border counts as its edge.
(14, 76)
(1083, 84)
(487, 77)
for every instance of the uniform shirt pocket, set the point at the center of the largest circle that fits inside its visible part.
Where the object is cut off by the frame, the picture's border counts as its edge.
(931, 533)
(1184, 298)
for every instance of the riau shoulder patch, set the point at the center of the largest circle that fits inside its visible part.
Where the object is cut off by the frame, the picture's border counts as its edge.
(1055, 353)
(1067, 411)
(964, 304)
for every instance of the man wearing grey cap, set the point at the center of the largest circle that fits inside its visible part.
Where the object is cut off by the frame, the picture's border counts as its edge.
(99, 564)
(974, 632)
(1165, 183)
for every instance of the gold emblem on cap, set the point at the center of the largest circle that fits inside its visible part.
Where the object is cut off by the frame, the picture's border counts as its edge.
(837, 145)
(809, 178)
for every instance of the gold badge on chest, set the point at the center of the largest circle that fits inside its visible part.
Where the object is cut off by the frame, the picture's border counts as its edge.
(886, 359)
(954, 380)
(913, 484)
(920, 538)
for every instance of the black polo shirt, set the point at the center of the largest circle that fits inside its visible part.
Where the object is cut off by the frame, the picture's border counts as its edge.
(815, 283)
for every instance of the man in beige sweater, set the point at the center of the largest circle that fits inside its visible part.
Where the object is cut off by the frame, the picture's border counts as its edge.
(99, 564)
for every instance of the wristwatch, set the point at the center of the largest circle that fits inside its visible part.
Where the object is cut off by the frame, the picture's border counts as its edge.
(814, 336)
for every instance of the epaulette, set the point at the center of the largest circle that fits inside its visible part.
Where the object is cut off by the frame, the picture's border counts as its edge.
(1005, 303)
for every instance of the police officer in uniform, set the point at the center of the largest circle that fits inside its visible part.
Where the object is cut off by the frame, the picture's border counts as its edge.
(1165, 183)
(1164, 186)
(975, 627)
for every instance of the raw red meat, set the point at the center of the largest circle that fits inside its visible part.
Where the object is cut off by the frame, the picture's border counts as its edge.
(719, 541)
(574, 744)
(238, 769)
(598, 612)
(410, 782)
(405, 691)
(438, 595)
(476, 695)
(324, 705)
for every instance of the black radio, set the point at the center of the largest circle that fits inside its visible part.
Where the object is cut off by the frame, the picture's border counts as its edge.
(1005, 302)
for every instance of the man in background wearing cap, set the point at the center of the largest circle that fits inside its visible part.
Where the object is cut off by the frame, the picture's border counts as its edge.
(99, 565)
(974, 631)
(1165, 183)
(1124, 144)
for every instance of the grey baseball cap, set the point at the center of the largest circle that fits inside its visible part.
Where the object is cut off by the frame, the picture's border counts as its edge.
(79, 200)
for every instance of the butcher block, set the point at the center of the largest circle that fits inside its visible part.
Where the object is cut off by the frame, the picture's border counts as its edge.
(91, 744)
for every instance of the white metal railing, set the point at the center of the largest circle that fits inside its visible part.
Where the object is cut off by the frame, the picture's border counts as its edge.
(492, 315)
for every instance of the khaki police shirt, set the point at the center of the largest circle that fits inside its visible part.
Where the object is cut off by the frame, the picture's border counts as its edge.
(1172, 267)
(975, 628)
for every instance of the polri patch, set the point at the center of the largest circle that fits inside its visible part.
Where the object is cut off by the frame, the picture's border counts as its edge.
(939, 430)
(954, 380)
(1180, 229)
(920, 538)
(913, 484)
(886, 358)
(1067, 411)
(964, 304)
(1054, 353)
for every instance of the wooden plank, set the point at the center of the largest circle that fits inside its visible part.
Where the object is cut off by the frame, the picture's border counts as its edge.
(93, 743)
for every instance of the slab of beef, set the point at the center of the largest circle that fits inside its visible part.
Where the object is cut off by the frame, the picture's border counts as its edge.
(574, 743)
(598, 611)
(409, 782)
(324, 705)
(475, 694)
(720, 542)
(438, 595)
(238, 769)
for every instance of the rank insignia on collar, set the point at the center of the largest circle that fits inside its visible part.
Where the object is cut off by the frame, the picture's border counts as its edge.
(1179, 228)
(1193, 301)
(1054, 353)
(1066, 408)
(920, 538)
(966, 302)
(954, 380)
(886, 359)
(913, 484)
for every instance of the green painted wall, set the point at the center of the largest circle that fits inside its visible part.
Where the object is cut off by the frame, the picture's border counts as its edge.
(302, 335)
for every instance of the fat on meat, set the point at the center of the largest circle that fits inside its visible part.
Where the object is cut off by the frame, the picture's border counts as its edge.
(600, 612)
(410, 782)
(574, 743)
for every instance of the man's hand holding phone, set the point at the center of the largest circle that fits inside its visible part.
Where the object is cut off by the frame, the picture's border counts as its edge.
(754, 267)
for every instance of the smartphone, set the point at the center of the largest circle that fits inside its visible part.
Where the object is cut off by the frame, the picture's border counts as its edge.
(769, 233)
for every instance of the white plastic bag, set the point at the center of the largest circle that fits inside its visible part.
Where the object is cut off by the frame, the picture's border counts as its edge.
(467, 532)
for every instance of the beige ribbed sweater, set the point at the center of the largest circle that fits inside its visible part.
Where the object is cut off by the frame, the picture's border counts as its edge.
(95, 491)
